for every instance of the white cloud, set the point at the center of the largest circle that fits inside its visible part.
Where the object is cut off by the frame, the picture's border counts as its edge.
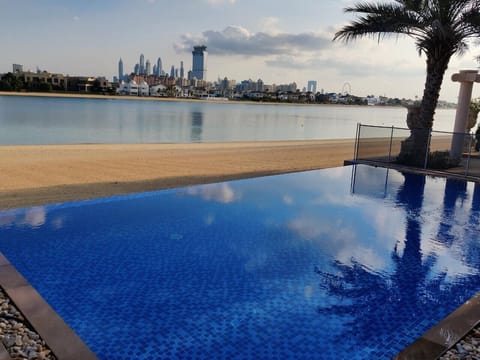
(220, 2)
(237, 40)
(270, 25)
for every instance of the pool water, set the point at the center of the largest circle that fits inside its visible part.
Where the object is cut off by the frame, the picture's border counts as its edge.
(344, 263)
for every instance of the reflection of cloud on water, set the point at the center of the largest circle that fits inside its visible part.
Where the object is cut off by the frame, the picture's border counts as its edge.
(340, 240)
(222, 193)
(7, 219)
(209, 219)
(34, 217)
(288, 200)
(335, 234)
(57, 223)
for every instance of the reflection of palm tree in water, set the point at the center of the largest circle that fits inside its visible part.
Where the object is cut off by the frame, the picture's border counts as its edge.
(410, 273)
(454, 190)
(390, 303)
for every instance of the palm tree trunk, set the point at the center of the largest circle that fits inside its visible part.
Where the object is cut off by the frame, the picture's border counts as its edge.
(436, 67)
(416, 147)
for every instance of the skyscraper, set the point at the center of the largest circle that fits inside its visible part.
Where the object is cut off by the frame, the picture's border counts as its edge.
(159, 67)
(148, 68)
(120, 70)
(312, 86)
(172, 71)
(182, 71)
(142, 64)
(199, 62)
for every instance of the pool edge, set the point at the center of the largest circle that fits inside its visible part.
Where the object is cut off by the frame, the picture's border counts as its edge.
(442, 336)
(60, 338)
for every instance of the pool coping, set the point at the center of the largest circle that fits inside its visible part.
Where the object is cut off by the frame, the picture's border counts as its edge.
(445, 334)
(60, 338)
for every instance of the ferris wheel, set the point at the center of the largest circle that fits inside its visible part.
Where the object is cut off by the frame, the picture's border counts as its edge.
(346, 89)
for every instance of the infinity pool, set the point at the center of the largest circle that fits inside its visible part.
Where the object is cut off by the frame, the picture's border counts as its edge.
(329, 264)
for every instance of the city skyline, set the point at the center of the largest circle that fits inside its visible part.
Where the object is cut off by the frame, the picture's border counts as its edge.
(283, 43)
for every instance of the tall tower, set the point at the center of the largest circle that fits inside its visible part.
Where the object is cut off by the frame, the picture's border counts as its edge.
(148, 68)
(120, 70)
(142, 64)
(172, 71)
(312, 86)
(159, 67)
(182, 71)
(199, 62)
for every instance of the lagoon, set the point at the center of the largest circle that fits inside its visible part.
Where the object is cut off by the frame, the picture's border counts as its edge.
(26, 120)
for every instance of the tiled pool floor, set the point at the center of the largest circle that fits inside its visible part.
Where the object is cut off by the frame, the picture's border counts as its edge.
(307, 265)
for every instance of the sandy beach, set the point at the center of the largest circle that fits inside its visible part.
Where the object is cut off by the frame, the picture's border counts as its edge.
(148, 98)
(45, 174)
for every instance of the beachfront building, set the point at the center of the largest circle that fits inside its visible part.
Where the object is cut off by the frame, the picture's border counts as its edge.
(132, 88)
(199, 62)
(44, 80)
(158, 90)
(17, 68)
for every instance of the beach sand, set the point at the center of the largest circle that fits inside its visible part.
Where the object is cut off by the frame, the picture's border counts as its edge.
(45, 174)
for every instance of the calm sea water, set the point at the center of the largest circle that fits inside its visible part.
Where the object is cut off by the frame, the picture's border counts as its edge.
(30, 120)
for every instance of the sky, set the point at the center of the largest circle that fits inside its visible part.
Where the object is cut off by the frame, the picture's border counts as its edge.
(278, 41)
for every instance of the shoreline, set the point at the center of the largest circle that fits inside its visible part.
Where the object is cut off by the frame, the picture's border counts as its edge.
(167, 99)
(35, 175)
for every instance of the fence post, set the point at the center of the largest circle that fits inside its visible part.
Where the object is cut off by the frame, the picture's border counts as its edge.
(357, 140)
(427, 150)
(390, 148)
(469, 153)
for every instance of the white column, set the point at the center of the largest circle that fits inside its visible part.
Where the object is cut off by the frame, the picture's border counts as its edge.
(466, 78)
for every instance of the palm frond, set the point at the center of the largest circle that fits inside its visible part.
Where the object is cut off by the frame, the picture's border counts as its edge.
(379, 20)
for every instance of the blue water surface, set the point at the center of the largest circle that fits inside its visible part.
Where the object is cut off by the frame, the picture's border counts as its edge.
(329, 264)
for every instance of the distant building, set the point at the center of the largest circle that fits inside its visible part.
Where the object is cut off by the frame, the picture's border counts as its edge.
(260, 85)
(120, 70)
(136, 69)
(172, 71)
(182, 70)
(199, 62)
(159, 67)
(148, 68)
(141, 68)
(312, 86)
(17, 68)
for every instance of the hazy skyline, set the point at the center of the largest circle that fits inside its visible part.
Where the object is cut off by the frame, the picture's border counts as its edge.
(276, 40)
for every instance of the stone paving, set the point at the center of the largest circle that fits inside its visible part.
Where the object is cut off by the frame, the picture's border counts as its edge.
(17, 336)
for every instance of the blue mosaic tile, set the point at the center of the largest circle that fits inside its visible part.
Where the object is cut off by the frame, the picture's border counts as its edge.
(313, 265)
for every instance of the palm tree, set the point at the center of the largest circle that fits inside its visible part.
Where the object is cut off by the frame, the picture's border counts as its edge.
(440, 29)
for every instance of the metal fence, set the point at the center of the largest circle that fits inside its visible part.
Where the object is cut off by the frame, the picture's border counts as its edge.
(385, 145)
